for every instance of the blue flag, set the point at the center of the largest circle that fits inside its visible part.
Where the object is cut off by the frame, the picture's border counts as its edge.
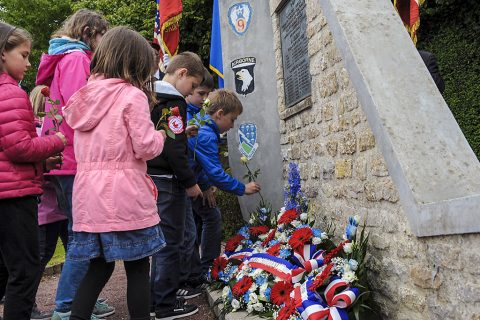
(216, 62)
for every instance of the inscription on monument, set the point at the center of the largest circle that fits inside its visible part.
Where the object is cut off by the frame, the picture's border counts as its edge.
(296, 63)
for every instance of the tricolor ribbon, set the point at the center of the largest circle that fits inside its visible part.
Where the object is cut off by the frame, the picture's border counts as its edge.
(279, 267)
(312, 307)
(308, 258)
(239, 255)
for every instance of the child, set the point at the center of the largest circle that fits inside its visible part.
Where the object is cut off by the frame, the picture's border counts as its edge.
(174, 180)
(114, 212)
(65, 69)
(191, 273)
(223, 110)
(21, 155)
(52, 221)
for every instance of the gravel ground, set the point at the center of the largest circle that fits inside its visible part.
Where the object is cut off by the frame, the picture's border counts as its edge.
(115, 291)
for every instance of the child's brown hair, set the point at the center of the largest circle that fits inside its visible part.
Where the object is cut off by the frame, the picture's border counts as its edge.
(11, 37)
(37, 99)
(74, 26)
(207, 80)
(125, 54)
(189, 61)
(226, 100)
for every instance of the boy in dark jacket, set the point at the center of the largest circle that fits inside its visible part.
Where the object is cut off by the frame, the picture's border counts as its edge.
(174, 180)
(224, 108)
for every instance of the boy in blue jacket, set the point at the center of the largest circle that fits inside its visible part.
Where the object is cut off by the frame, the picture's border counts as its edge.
(191, 273)
(223, 110)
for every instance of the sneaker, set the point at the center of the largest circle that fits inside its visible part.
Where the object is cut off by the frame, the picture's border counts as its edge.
(102, 309)
(189, 293)
(61, 315)
(180, 310)
(66, 316)
(39, 315)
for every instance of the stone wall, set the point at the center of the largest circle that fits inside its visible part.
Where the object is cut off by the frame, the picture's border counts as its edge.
(344, 174)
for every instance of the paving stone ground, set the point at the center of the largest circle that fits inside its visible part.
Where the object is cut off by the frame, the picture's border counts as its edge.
(115, 292)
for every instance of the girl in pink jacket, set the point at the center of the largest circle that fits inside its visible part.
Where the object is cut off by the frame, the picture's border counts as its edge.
(21, 155)
(65, 69)
(114, 202)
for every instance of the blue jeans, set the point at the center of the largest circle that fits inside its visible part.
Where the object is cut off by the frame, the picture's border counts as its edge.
(165, 273)
(211, 232)
(73, 272)
(190, 258)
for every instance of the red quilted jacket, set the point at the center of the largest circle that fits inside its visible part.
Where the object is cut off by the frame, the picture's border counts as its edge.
(21, 150)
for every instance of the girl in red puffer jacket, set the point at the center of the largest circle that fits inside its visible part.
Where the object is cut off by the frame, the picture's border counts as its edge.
(22, 153)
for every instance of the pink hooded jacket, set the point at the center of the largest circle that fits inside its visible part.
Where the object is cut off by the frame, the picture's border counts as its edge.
(64, 73)
(21, 150)
(114, 138)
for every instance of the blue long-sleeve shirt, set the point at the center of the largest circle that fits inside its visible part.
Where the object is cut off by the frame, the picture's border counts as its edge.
(207, 162)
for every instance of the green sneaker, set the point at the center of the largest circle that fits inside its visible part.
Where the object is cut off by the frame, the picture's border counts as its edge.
(66, 316)
(61, 315)
(102, 309)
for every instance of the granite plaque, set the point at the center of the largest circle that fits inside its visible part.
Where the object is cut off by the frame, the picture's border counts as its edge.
(296, 63)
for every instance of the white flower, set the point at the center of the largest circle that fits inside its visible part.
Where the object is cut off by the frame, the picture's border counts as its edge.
(348, 248)
(263, 236)
(263, 287)
(251, 221)
(282, 237)
(258, 307)
(253, 287)
(296, 223)
(235, 304)
(225, 292)
(316, 240)
(257, 272)
(349, 276)
(304, 216)
(249, 307)
(253, 297)
(324, 235)
(356, 218)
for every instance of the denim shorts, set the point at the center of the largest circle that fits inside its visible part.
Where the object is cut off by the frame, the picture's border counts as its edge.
(118, 245)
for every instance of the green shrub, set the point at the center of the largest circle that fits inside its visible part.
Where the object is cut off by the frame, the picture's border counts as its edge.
(231, 214)
(451, 30)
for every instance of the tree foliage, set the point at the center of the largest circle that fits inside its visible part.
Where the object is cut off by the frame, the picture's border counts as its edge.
(451, 30)
(196, 27)
(41, 18)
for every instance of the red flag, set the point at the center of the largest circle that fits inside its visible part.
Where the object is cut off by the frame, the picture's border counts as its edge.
(409, 11)
(170, 15)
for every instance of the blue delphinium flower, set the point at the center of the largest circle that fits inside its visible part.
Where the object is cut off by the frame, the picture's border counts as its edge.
(244, 232)
(317, 233)
(284, 253)
(353, 264)
(260, 280)
(246, 296)
(351, 229)
(267, 293)
(272, 242)
(293, 179)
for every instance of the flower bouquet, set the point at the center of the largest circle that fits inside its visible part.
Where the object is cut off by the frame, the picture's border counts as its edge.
(291, 269)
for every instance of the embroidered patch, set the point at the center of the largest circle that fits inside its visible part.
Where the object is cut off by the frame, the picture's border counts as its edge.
(247, 136)
(239, 16)
(175, 124)
(243, 73)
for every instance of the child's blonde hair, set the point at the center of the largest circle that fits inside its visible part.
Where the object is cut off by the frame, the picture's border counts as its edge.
(37, 99)
(226, 100)
(125, 54)
(11, 37)
(189, 61)
(75, 25)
